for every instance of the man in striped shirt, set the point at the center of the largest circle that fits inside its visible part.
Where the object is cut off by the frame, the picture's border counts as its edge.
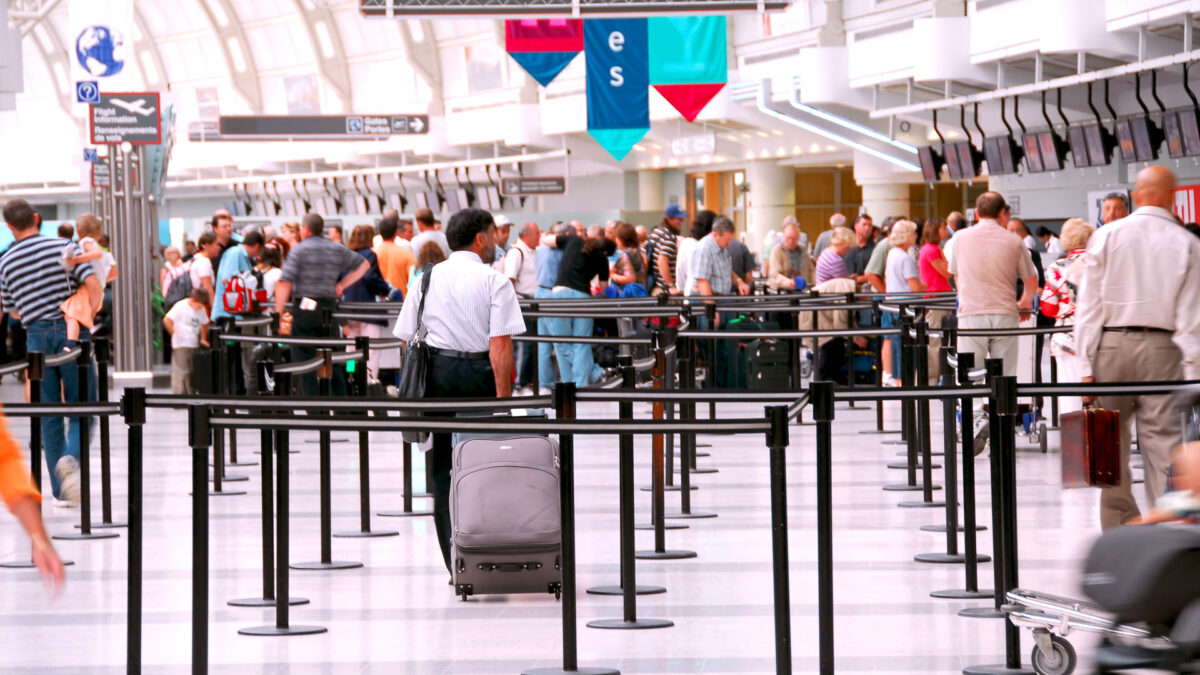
(33, 284)
(665, 242)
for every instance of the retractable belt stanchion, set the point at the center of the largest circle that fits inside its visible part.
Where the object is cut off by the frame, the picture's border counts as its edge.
(658, 471)
(283, 387)
(363, 345)
(687, 447)
(199, 438)
(1004, 404)
(133, 408)
(213, 361)
(669, 369)
(658, 378)
(877, 315)
(324, 387)
(852, 324)
(995, 370)
(83, 367)
(908, 434)
(821, 394)
(232, 364)
(1053, 399)
(918, 348)
(628, 588)
(564, 407)
(34, 373)
(266, 449)
(102, 359)
(970, 550)
(777, 442)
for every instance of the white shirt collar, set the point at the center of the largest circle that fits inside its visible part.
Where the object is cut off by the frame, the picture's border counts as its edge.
(467, 256)
(1154, 211)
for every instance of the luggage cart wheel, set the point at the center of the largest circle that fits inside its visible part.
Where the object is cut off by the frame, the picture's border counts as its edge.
(1059, 659)
(1042, 436)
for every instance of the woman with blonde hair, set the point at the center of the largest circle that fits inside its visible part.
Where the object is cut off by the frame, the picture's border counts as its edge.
(1058, 302)
(903, 276)
(290, 232)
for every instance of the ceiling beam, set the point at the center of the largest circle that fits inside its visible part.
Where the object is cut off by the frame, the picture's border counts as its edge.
(332, 67)
(245, 82)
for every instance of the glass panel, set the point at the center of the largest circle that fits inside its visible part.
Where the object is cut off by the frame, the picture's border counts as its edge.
(698, 192)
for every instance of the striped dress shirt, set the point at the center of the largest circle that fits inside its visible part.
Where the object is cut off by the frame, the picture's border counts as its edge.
(33, 281)
(469, 303)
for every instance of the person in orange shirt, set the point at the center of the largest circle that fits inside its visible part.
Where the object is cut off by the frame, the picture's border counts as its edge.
(396, 257)
(24, 501)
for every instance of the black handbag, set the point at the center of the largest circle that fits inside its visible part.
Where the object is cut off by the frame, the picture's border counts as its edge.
(415, 359)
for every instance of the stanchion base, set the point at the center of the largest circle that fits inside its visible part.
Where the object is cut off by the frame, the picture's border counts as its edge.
(704, 454)
(898, 441)
(402, 514)
(904, 465)
(28, 564)
(666, 488)
(229, 479)
(703, 445)
(264, 602)
(315, 441)
(922, 505)
(997, 669)
(981, 613)
(942, 528)
(228, 463)
(935, 453)
(622, 624)
(104, 525)
(79, 536)
(223, 493)
(905, 487)
(947, 558)
(703, 469)
(878, 432)
(664, 555)
(290, 452)
(617, 590)
(962, 594)
(366, 535)
(335, 565)
(276, 631)
(666, 526)
(688, 516)
(576, 671)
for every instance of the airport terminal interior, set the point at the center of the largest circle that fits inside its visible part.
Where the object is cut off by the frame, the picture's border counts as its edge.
(775, 432)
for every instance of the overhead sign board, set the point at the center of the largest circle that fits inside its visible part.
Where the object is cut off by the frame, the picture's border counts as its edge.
(341, 127)
(87, 91)
(126, 118)
(533, 186)
(100, 175)
(91, 155)
(700, 144)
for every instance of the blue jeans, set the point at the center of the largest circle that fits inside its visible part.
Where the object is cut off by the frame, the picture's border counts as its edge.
(523, 355)
(545, 364)
(60, 384)
(890, 320)
(575, 361)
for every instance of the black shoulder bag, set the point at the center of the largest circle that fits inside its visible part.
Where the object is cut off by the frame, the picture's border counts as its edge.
(414, 370)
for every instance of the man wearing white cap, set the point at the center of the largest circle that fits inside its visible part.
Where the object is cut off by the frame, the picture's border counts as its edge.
(503, 227)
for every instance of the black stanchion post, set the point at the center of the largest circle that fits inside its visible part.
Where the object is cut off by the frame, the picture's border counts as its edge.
(919, 349)
(535, 377)
(199, 438)
(877, 320)
(821, 394)
(133, 408)
(995, 370)
(951, 472)
(668, 337)
(852, 324)
(564, 407)
(687, 446)
(1003, 402)
(83, 367)
(232, 364)
(363, 345)
(710, 366)
(283, 386)
(324, 389)
(970, 550)
(908, 433)
(777, 442)
(628, 588)
(1053, 399)
(102, 360)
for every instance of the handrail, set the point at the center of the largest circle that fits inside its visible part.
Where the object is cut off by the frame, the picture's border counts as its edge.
(785, 334)
(64, 358)
(14, 368)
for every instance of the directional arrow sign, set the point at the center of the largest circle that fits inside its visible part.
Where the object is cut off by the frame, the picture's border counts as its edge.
(319, 127)
(417, 125)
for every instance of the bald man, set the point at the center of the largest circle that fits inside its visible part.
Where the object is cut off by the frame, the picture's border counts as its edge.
(1138, 319)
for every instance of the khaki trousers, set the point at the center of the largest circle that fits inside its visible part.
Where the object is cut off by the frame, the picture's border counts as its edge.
(181, 370)
(1005, 348)
(1139, 357)
(933, 319)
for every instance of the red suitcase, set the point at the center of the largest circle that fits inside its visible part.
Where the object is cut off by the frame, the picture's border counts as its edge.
(1091, 448)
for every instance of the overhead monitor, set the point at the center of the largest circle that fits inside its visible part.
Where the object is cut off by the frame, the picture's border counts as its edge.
(495, 199)
(931, 163)
(1174, 134)
(1189, 125)
(1051, 147)
(968, 160)
(1138, 138)
(950, 155)
(1033, 153)
(452, 202)
(1100, 144)
(1002, 154)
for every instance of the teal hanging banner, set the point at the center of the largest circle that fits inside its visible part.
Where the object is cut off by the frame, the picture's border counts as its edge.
(618, 81)
(688, 63)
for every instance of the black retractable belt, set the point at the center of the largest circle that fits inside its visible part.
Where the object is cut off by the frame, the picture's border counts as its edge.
(102, 360)
(133, 408)
(916, 373)
(363, 344)
(83, 369)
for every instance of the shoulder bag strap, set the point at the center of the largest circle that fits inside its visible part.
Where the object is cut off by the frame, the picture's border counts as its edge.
(426, 272)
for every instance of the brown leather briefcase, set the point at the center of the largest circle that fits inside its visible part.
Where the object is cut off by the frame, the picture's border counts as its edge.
(1091, 448)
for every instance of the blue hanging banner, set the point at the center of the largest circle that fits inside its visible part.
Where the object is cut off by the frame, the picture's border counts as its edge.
(618, 82)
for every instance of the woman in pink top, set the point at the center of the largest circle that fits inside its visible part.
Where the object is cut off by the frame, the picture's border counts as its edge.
(935, 272)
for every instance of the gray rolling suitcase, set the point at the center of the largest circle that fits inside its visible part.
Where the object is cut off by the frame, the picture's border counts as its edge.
(504, 511)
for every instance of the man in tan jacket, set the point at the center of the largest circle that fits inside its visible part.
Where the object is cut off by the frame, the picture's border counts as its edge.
(790, 262)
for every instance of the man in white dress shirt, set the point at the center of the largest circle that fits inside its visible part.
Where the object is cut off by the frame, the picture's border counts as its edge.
(1138, 319)
(470, 317)
(520, 266)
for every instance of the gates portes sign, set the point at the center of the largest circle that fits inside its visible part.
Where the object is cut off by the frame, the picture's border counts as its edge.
(126, 118)
(316, 127)
(523, 186)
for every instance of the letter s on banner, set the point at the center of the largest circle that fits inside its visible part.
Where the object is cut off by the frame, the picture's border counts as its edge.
(618, 77)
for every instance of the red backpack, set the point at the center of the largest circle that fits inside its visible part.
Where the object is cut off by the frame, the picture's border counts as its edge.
(242, 293)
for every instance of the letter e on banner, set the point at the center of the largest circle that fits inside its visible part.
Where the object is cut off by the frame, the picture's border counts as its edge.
(616, 41)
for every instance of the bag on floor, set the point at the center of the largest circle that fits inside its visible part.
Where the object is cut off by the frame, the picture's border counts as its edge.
(505, 518)
(768, 365)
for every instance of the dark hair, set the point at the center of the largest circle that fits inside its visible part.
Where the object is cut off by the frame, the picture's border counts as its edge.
(1044, 231)
(702, 224)
(465, 225)
(253, 238)
(1023, 225)
(1117, 195)
(431, 253)
(315, 224)
(200, 295)
(931, 232)
(1193, 228)
(956, 220)
(989, 205)
(340, 231)
(722, 225)
(424, 217)
(360, 237)
(206, 239)
(388, 227)
(66, 231)
(627, 235)
(861, 217)
(272, 254)
(19, 214)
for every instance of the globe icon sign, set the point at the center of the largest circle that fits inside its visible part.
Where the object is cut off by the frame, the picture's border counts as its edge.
(100, 51)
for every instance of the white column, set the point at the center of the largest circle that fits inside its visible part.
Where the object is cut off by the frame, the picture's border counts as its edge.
(883, 200)
(650, 191)
(772, 198)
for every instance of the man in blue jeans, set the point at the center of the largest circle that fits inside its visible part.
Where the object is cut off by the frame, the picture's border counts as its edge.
(33, 284)
(548, 259)
(582, 260)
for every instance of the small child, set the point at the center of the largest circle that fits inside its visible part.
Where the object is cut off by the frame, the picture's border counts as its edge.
(186, 323)
(78, 310)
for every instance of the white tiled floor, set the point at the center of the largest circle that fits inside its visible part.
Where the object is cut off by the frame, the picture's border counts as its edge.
(397, 615)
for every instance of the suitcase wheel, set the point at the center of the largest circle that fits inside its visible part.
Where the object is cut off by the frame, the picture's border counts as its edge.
(463, 591)
(556, 589)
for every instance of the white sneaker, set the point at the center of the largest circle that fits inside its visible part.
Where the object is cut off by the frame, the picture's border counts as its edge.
(524, 391)
(392, 391)
(67, 471)
(545, 391)
(889, 381)
(61, 504)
